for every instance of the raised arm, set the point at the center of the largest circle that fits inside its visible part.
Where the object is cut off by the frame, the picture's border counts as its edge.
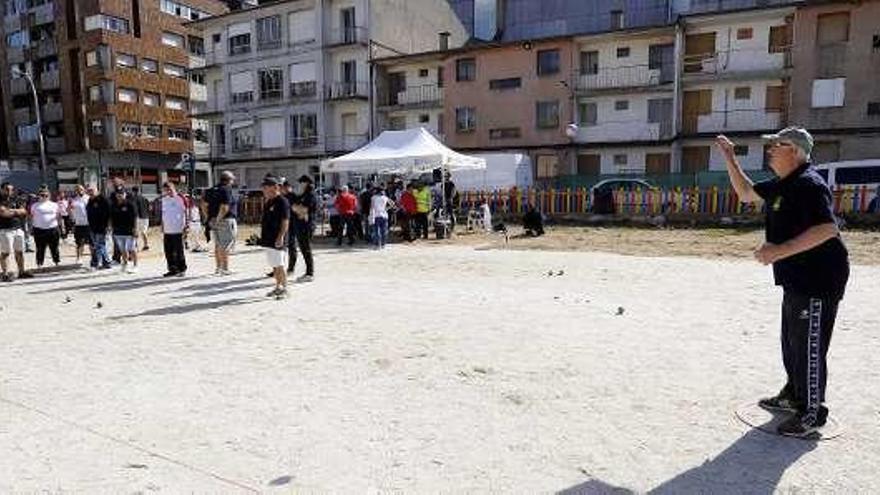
(740, 181)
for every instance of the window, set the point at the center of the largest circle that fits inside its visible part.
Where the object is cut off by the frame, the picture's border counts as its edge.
(826, 151)
(548, 62)
(465, 69)
(780, 39)
(424, 118)
(106, 23)
(269, 33)
(241, 87)
(617, 20)
(126, 95)
(152, 131)
(304, 129)
(174, 70)
(197, 78)
(874, 108)
(302, 80)
(272, 133)
(125, 60)
(178, 134)
(744, 33)
(510, 83)
(832, 28)
(242, 133)
(302, 26)
(547, 114)
(589, 164)
(504, 133)
(742, 93)
(741, 150)
(660, 57)
(828, 92)
(130, 129)
(151, 99)
(621, 160)
(196, 46)
(97, 127)
(465, 119)
(183, 11)
(621, 105)
(93, 58)
(271, 84)
(172, 39)
(96, 93)
(18, 39)
(239, 38)
(423, 73)
(623, 52)
(875, 43)
(149, 65)
(547, 166)
(172, 103)
(589, 63)
(588, 114)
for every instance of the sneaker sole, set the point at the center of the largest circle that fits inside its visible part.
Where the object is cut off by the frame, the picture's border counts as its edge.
(811, 434)
(777, 409)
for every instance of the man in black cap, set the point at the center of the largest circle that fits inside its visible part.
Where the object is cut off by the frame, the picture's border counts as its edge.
(809, 261)
(273, 233)
(304, 206)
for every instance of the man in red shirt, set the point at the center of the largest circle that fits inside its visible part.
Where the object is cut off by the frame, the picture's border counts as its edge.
(346, 205)
(408, 210)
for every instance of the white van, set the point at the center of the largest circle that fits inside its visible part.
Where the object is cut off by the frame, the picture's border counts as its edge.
(851, 173)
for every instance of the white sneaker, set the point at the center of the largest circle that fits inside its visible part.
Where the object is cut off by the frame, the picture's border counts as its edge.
(225, 273)
(305, 279)
(132, 270)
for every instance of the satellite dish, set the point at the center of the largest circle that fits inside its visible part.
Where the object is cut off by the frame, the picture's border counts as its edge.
(571, 130)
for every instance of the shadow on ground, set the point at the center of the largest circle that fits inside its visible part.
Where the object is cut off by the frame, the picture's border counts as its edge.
(188, 308)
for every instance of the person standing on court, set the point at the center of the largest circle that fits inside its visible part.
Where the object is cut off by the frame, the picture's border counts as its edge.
(809, 261)
(304, 206)
(273, 233)
(12, 218)
(46, 218)
(222, 214)
(143, 217)
(346, 204)
(424, 201)
(174, 228)
(98, 213)
(81, 234)
(123, 217)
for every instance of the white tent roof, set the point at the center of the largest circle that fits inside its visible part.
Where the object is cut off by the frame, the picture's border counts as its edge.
(399, 152)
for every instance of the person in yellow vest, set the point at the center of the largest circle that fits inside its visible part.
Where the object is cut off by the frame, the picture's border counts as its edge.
(423, 206)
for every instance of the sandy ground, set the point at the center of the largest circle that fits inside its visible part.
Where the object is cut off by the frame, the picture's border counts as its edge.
(422, 370)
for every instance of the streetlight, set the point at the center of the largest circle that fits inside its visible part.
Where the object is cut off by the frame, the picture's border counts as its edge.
(42, 142)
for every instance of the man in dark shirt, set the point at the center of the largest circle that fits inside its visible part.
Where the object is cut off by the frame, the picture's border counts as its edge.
(98, 212)
(273, 233)
(12, 240)
(809, 261)
(221, 209)
(123, 217)
(304, 207)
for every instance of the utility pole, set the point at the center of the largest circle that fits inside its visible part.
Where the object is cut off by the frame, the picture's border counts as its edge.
(42, 141)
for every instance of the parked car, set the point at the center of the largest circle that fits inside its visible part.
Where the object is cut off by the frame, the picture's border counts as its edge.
(602, 194)
(851, 173)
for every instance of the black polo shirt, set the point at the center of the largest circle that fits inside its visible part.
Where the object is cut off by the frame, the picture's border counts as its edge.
(221, 195)
(275, 212)
(794, 204)
(12, 203)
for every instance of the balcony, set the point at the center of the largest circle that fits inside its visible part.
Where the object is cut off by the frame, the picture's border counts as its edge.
(22, 116)
(19, 86)
(43, 14)
(622, 132)
(299, 143)
(50, 80)
(14, 55)
(46, 48)
(732, 121)
(736, 65)
(307, 90)
(198, 92)
(347, 36)
(11, 23)
(425, 96)
(353, 90)
(55, 145)
(53, 112)
(348, 142)
(632, 77)
(831, 60)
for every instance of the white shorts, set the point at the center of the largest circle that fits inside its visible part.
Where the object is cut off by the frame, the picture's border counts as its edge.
(126, 243)
(11, 240)
(143, 225)
(277, 258)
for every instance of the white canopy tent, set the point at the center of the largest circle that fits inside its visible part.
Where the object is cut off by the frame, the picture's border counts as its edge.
(412, 151)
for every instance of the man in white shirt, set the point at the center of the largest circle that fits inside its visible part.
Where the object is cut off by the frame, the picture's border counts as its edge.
(77, 212)
(174, 228)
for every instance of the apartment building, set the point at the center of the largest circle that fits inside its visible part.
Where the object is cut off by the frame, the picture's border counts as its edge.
(835, 84)
(112, 81)
(735, 80)
(410, 92)
(290, 83)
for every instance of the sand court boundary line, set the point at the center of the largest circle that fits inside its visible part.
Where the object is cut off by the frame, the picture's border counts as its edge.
(130, 445)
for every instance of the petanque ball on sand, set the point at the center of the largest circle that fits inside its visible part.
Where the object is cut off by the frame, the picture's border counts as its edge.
(620, 310)
(99, 305)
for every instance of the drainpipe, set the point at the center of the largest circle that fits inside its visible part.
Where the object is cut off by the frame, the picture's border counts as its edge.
(677, 96)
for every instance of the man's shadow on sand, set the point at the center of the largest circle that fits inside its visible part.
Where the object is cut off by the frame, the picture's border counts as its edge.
(753, 464)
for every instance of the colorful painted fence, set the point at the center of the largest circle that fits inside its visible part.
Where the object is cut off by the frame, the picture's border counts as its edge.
(695, 200)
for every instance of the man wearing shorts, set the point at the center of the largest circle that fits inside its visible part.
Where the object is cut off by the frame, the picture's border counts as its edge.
(143, 217)
(77, 210)
(222, 209)
(123, 216)
(12, 217)
(273, 233)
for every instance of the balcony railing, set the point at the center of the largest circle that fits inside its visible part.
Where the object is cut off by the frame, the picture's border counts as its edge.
(347, 90)
(348, 142)
(22, 116)
(198, 92)
(732, 121)
(11, 23)
(14, 54)
(44, 14)
(55, 145)
(50, 80)
(303, 90)
(729, 62)
(24, 147)
(624, 131)
(415, 96)
(300, 142)
(19, 86)
(46, 48)
(831, 60)
(637, 76)
(53, 112)
(241, 98)
(347, 36)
